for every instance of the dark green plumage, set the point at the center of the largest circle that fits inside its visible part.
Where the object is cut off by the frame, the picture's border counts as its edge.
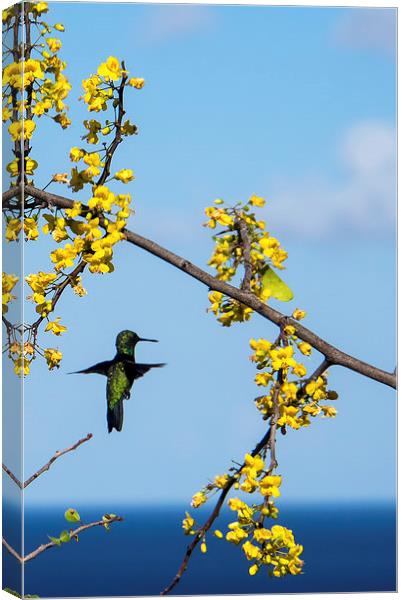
(121, 372)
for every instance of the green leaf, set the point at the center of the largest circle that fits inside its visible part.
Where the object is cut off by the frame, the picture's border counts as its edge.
(65, 536)
(55, 540)
(278, 289)
(72, 515)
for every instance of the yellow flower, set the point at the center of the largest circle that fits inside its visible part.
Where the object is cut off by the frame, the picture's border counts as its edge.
(263, 378)
(8, 283)
(13, 229)
(236, 535)
(59, 27)
(124, 175)
(110, 69)
(55, 327)
(128, 128)
(236, 504)
(298, 314)
(253, 465)
(75, 211)
(299, 370)
(249, 485)
(257, 201)
(54, 44)
(76, 154)
(13, 167)
(261, 347)
(288, 417)
(215, 299)
(39, 8)
(203, 547)
(102, 199)
(78, 288)
(218, 534)
(329, 411)
(31, 228)
(91, 229)
(253, 570)
(316, 389)
(221, 480)
(252, 552)
(262, 535)
(64, 257)
(30, 165)
(269, 485)
(305, 348)
(53, 357)
(187, 524)
(93, 159)
(6, 114)
(198, 499)
(63, 120)
(20, 129)
(282, 358)
(22, 366)
(93, 128)
(137, 82)
(61, 178)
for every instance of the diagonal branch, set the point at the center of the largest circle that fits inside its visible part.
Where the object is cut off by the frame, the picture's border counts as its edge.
(333, 355)
(46, 466)
(43, 547)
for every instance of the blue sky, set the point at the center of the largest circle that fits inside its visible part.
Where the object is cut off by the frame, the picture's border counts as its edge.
(296, 105)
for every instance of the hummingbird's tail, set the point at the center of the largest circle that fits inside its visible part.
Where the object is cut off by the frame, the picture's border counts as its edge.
(115, 417)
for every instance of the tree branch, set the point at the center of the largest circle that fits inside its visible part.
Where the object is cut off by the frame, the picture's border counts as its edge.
(333, 355)
(246, 249)
(43, 547)
(47, 466)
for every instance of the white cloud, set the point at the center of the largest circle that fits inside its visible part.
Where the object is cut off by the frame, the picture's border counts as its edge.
(362, 201)
(368, 29)
(174, 21)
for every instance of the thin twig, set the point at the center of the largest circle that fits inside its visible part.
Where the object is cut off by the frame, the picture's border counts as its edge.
(43, 547)
(46, 466)
(11, 550)
(333, 354)
(118, 133)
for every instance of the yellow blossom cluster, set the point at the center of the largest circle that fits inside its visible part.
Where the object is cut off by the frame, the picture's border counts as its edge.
(298, 397)
(291, 400)
(273, 548)
(243, 241)
(8, 283)
(34, 86)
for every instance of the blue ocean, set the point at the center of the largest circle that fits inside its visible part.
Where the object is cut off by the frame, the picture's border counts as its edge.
(348, 548)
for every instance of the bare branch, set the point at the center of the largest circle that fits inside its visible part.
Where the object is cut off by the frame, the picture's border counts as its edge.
(47, 466)
(11, 550)
(13, 477)
(331, 353)
(43, 547)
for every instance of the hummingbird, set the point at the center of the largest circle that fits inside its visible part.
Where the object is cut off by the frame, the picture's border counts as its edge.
(121, 372)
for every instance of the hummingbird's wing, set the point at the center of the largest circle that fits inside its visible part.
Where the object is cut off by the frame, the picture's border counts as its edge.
(101, 368)
(136, 370)
(117, 389)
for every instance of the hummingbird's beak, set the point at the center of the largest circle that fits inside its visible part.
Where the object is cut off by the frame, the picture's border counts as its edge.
(146, 340)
